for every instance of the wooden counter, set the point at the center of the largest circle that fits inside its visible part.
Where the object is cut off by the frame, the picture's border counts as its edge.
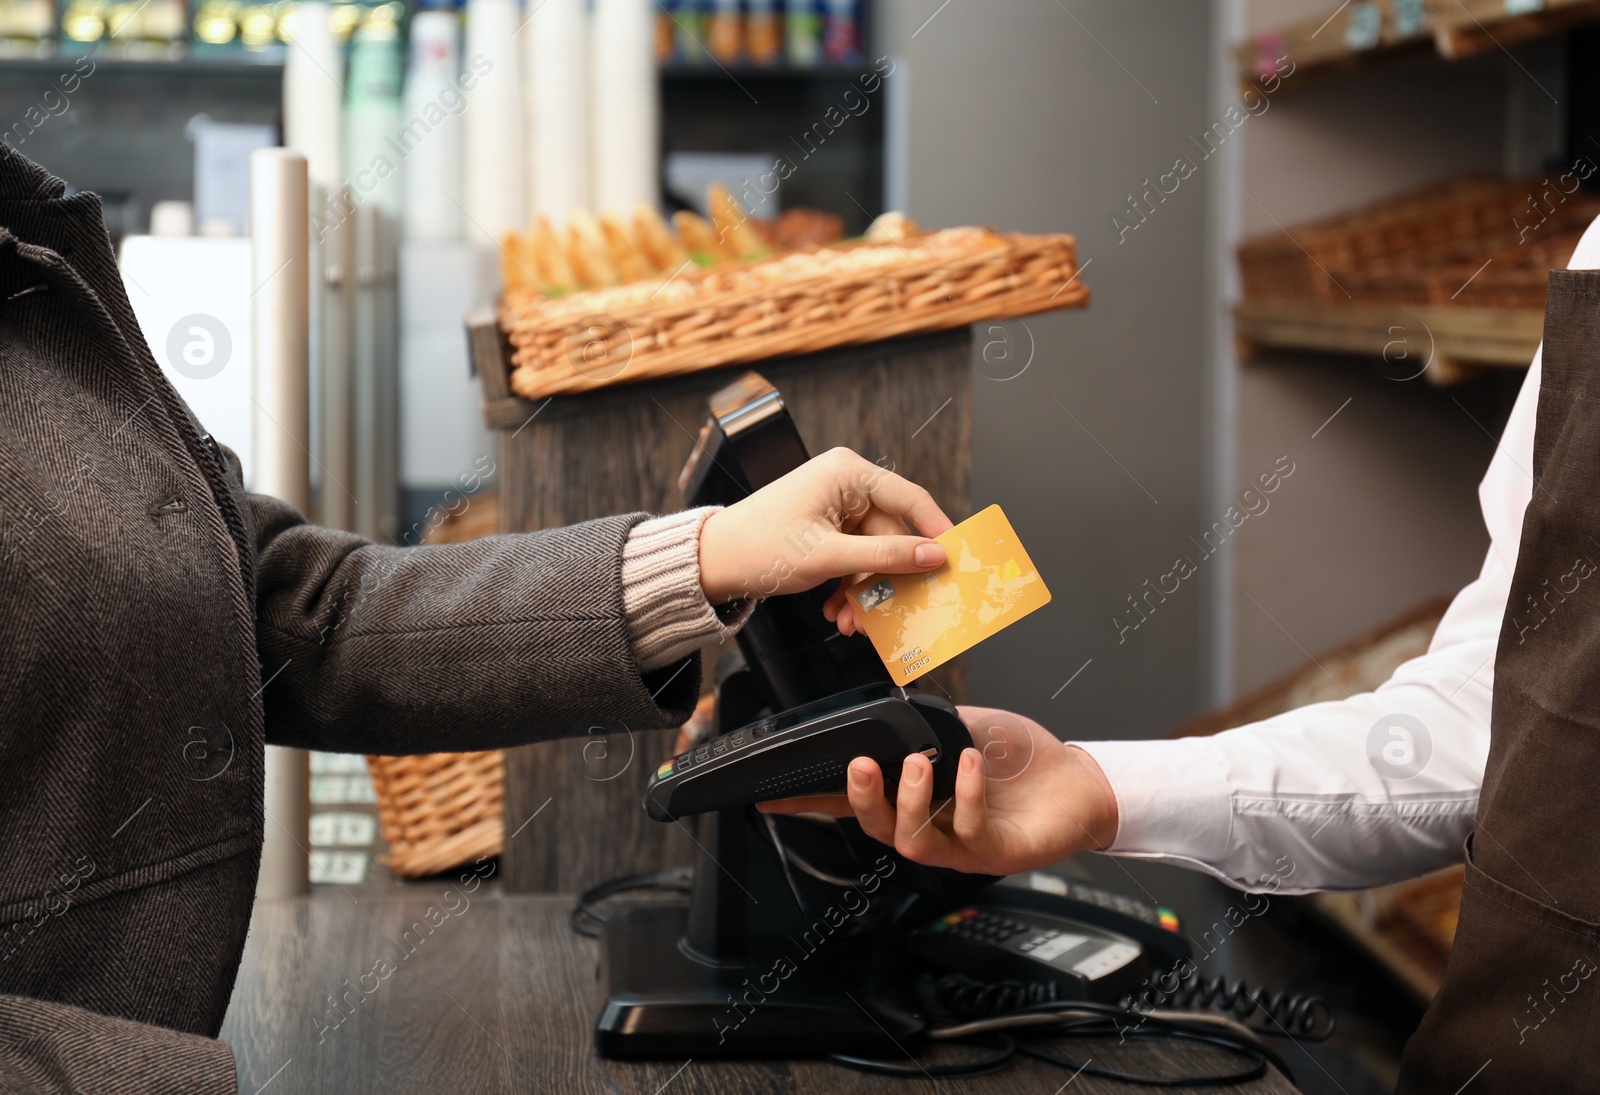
(500, 996)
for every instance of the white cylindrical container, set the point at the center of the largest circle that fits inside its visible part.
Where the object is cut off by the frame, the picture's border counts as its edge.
(556, 51)
(492, 159)
(313, 98)
(280, 335)
(624, 107)
(375, 146)
(434, 104)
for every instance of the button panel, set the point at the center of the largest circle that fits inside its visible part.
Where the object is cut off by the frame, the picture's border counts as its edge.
(717, 747)
(1089, 956)
(1106, 960)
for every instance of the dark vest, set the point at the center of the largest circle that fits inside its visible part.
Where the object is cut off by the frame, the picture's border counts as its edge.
(1519, 1011)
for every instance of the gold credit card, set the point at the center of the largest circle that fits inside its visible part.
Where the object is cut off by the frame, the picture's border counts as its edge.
(918, 622)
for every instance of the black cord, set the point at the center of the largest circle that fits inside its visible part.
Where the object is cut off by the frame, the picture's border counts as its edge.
(1295, 1015)
(757, 818)
(964, 997)
(1006, 1051)
(587, 918)
(1282, 1014)
(1168, 1031)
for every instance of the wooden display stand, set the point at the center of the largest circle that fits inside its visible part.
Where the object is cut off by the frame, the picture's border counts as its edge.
(904, 401)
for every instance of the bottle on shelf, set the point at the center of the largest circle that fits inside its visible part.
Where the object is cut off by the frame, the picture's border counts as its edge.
(802, 33)
(725, 32)
(689, 23)
(666, 34)
(841, 38)
(763, 33)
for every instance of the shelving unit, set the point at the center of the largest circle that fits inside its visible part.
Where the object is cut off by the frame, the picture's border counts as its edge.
(1444, 344)
(1331, 42)
(1388, 513)
(264, 65)
(1365, 33)
(1478, 26)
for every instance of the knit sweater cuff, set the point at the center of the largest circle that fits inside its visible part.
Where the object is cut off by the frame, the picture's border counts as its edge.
(668, 616)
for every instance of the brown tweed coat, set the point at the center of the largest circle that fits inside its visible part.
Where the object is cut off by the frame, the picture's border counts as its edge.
(159, 625)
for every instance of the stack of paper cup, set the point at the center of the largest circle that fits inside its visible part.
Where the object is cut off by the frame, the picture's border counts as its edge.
(376, 151)
(492, 139)
(313, 93)
(624, 106)
(435, 103)
(555, 50)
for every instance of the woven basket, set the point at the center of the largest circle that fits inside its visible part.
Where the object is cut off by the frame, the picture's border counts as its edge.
(440, 810)
(809, 300)
(1309, 262)
(1422, 248)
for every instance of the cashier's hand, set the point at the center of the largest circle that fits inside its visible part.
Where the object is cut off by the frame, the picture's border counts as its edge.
(1023, 800)
(836, 515)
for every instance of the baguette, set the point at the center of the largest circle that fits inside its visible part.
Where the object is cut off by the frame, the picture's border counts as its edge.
(733, 224)
(700, 238)
(631, 262)
(657, 240)
(586, 246)
(548, 260)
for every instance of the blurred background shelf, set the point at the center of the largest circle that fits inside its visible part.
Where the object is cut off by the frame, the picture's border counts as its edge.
(265, 66)
(271, 62)
(711, 70)
(1478, 26)
(1361, 35)
(1446, 343)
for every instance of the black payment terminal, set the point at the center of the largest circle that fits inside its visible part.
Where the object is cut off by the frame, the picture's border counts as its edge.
(806, 750)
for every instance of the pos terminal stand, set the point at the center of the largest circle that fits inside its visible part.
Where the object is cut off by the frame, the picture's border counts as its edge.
(780, 950)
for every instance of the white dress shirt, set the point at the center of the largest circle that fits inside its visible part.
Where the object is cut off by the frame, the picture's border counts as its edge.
(1301, 786)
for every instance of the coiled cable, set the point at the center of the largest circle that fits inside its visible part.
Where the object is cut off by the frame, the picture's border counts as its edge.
(1290, 1015)
(966, 998)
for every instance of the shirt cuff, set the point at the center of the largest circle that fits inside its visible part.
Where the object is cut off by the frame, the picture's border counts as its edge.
(667, 614)
(1172, 799)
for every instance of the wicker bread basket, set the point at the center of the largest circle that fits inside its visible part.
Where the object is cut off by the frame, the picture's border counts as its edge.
(796, 303)
(440, 810)
(1424, 247)
(1308, 263)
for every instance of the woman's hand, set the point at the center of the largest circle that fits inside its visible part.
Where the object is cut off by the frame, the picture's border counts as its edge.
(836, 515)
(1023, 800)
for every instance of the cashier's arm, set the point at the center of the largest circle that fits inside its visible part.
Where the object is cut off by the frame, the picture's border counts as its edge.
(1022, 800)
